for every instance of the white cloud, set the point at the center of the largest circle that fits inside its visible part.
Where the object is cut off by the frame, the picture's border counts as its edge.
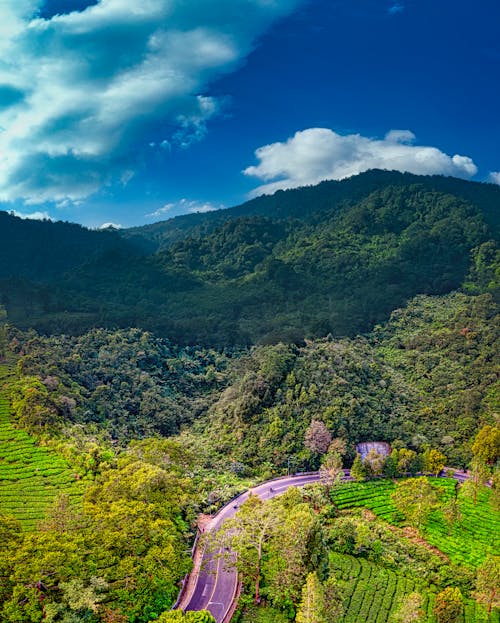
(494, 177)
(35, 216)
(185, 206)
(83, 94)
(110, 226)
(318, 154)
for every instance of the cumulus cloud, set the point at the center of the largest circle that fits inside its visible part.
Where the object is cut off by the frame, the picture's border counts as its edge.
(494, 177)
(84, 93)
(183, 206)
(110, 226)
(318, 154)
(35, 216)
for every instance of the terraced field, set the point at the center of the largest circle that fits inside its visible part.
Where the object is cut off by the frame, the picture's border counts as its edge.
(373, 593)
(468, 542)
(31, 476)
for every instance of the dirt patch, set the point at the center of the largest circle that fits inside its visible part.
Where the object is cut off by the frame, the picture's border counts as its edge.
(413, 535)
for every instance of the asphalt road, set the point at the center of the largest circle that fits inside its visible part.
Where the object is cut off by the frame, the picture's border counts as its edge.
(217, 583)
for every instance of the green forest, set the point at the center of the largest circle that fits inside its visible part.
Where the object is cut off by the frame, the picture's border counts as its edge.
(150, 375)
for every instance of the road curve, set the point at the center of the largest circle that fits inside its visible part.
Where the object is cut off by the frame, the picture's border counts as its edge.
(216, 586)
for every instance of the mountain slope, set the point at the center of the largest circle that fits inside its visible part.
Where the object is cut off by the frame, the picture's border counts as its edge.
(333, 258)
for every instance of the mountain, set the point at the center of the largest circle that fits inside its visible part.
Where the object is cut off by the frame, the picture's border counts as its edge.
(335, 258)
(301, 203)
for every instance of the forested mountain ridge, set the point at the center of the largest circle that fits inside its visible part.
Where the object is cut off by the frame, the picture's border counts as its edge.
(301, 203)
(336, 258)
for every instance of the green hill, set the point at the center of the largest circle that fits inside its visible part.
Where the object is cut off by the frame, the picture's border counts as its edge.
(335, 258)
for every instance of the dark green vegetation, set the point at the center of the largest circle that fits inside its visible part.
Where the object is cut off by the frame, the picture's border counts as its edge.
(426, 377)
(335, 258)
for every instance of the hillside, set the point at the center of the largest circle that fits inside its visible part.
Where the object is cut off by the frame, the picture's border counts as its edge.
(336, 258)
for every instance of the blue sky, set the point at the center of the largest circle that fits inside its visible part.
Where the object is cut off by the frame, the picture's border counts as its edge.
(115, 111)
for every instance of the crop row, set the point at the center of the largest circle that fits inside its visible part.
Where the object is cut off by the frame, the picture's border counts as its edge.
(31, 476)
(373, 594)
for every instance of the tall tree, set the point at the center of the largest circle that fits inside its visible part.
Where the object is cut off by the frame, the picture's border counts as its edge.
(488, 583)
(486, 446)
(478, 476)
(415, 498)
(330, 472)
(247, 533)
(318, 437)
(313, 608)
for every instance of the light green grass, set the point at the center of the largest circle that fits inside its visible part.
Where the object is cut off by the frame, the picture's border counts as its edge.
(469, 541)
(31, 476)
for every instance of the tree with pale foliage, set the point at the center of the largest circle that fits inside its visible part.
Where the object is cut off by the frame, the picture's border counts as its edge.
(488, 583)
(486, 446)
(409, 610)
(313, 607)
(452, 513)
(330, 472)
(448, 605)
(247, 533)
(415, 498)
(318, 437)
(434, 461)
(477, 479)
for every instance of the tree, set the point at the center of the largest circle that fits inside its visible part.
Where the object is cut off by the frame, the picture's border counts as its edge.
(495, 490)
(313, 607)
(334, 599)
(409, 610)
(358, 470)
(478, 476)
(415, 498)
(330, 471)
(452, 513)
(247, 533)
(407, 461)
(486, 446)
(374, 462)
(296, 547)
(318, 437)
(448, 605)
(488, 583)
(433, 461)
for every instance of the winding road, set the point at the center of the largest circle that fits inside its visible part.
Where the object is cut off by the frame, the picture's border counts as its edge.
(212, 585)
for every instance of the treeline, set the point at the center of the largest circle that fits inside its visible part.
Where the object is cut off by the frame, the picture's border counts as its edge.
(336, 258)
(427, 377)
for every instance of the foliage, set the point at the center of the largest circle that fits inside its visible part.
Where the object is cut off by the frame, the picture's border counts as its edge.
(486, 445)
(409, 610)
(448, 606)
(488, 583)
(336, 258)
(313, 607)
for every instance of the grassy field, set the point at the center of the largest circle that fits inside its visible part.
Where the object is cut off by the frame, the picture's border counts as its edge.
(468, 542)
(31, 476)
